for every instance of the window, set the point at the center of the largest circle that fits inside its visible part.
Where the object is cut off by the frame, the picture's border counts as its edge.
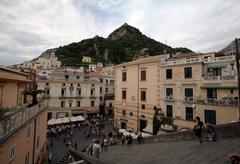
(92, 92)
(210, 116)
(143, 106)
(101, 80)
(12, 152)
(169, 74)
(78, 85)
(188, 72)
(28, 133)
(189, 94)
(143, 75)
(100, 89)
(212, 94)
(70, 104)
(63, 84)
(169, 111)
(77, 77)
(106, 89)
(78, 104)
(106, 82)
(47, 91)
(123, 112)
(131, 113)
(63, 92)
(93, 85)
(143, 95)
(47, 84)
(110, 105)
(124, 94)
(124, 76)
(169, 92)
(27, 158)
(62, 104)
(37, 144)
(101, 98)
(78, 91)
(189, 113)
(66, 77)
(92, 103)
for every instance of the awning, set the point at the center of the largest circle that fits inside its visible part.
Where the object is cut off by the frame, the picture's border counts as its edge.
(219, 87)
(92, 110)
(65, 120)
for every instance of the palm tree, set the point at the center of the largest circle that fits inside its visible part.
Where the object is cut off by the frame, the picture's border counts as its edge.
(33, 92)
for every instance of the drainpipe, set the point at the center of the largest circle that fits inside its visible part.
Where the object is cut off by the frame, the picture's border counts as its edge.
(138, 121)
(34, 139)
(238, 72)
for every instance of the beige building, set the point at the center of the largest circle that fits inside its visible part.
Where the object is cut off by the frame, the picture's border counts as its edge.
(137, 89)
(181, 86)
(20, 142)
(71, 94)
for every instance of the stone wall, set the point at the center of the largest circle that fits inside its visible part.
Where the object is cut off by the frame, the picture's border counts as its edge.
(223, 131)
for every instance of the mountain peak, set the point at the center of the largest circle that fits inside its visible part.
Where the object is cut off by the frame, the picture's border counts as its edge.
(122, 31)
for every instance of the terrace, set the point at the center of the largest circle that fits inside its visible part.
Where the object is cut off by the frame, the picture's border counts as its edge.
(18, 118)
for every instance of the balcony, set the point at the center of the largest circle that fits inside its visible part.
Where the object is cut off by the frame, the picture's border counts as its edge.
(226, 78)
(18, 118)
(197, 60)
(188, 99)
(227, 101)
(169, 98)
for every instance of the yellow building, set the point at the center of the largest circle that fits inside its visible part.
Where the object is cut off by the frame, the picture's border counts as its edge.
(20, 142)
(71, 94)
(181, 86)
(136, 93)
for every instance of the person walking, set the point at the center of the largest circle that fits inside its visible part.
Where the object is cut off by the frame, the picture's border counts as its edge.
(139, 138)
(96, 149)
(129, 140)
(50, 157)
(198, 127)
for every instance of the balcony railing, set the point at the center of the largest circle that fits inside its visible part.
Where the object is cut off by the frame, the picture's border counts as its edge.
(188, 99)
(169, 98)
(219, 102)
(197, 60)
(221, 78)
(19, 117)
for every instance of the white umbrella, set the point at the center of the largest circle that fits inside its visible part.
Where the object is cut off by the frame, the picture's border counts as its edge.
(51, 122)
(65, 120)
(80, 118)
(73, 119)
(126, 133)
(122, 130)
(133, 135)
(58, 121)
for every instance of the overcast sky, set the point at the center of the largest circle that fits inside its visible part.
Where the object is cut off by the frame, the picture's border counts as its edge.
(29, 27)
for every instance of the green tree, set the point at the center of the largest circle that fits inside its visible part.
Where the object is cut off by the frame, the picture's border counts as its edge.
(3, 114)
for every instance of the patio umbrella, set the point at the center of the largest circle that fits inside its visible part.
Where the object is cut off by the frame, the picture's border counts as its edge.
(126, 133)
(58, 121)
(51, 122)
(73, 119)
(80, 118)
(133, 135)
(146, 135)
(65, 120)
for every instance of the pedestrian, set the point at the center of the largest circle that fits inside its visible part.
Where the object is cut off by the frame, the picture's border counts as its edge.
(96, 149)
(211, 132)
(198, 129)
(139, 137)
(50, 157)
(129, 140)
(123, 139)
(105, 143)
